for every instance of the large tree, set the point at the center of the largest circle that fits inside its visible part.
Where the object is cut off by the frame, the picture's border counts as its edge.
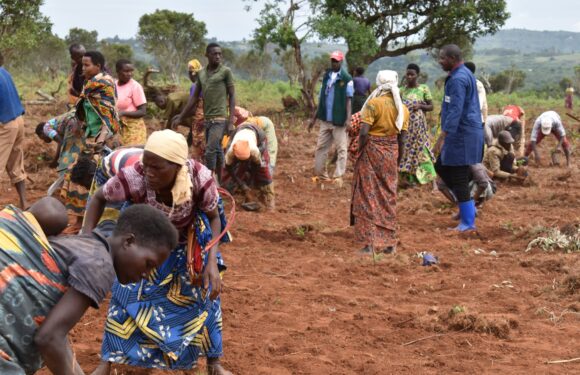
(255, 64)
(287, 25)
(401, 26)
(22, 26)
(173, 38)
(89, 39)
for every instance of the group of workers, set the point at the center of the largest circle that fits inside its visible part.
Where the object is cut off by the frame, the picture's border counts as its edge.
(390, 143)
(150, 210)
(112, 174)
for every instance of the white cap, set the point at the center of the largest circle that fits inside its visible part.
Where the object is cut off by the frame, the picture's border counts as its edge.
(546, 125)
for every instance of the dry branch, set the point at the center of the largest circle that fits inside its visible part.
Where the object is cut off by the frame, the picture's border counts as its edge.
(562, 361)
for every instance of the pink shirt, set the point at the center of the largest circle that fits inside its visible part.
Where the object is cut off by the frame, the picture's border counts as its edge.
(130, 96)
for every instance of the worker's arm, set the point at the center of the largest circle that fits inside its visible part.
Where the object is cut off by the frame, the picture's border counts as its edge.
(495, 167)
(534, 147)
(363, 136)
(400, 137)
(51, 339)
(439, 144)
(188, 110)
(94, 211)
(427, 106)
(139, 113)
(232, 108)
(54, 162)
(211, 275)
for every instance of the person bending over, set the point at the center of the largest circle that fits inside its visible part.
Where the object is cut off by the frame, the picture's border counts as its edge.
(500, 161)
(56, 279)
(548, 123)
(248, 165)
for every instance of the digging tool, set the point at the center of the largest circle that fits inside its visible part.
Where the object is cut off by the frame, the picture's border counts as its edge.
(572, 117)
(55, 186)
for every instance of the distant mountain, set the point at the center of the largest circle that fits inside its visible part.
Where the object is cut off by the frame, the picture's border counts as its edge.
(545, 56)
(530, 41)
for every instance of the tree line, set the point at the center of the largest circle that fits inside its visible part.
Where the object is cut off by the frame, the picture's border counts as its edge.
(371, 29)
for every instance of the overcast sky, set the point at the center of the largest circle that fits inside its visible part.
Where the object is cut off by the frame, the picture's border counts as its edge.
(227, 20)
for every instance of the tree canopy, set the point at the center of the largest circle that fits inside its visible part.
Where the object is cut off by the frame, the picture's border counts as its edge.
(380, 28)
(21, 25)
(89, 39)
(173, 38)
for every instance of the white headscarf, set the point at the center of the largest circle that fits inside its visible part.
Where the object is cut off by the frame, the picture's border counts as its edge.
(387, 81)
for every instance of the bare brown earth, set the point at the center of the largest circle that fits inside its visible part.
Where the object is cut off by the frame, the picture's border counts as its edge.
(300, 300)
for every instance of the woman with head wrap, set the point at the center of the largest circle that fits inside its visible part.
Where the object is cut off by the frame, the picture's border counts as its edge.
(98, 100)
(132, 105)
(384, 120)
(416, 164)
(196, 137)
(267, 126)
(178, 319)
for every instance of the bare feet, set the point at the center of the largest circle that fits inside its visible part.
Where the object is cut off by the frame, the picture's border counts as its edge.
(214, 367)
(103, 369)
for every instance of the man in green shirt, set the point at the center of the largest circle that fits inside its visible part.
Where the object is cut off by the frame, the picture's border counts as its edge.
(217, 84)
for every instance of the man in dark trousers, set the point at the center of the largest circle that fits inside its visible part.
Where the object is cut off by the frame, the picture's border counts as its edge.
(461, 141)
(217, 84)
(334, 111)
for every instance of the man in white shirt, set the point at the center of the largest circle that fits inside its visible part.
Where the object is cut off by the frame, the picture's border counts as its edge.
(480, 92)
(548, 123)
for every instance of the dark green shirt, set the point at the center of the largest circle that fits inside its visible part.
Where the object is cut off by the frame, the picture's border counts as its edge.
(215, 94)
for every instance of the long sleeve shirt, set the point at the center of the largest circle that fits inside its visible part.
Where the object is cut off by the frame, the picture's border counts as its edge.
(10, 106)
(482, 100)
(492, 160)
(461, 119)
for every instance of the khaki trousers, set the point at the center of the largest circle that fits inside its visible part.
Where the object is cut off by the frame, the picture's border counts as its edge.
(11, 154)
(328, 134)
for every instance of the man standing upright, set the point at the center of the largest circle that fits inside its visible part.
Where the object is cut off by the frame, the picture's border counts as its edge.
(461, 141)
(334, 111)
(12, 135)
(217, 84)
(76, 78)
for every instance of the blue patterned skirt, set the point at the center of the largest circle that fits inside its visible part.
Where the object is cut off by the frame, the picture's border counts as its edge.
(165, 321)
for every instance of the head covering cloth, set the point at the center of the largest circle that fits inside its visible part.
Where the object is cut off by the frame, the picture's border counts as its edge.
(387, 82)
(172, 147)
(241, 149)
(194, 66)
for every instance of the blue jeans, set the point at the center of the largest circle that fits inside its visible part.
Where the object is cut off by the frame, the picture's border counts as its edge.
(214, 154)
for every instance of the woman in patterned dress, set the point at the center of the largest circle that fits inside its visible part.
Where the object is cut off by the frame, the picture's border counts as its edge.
(384, 120)
(169, 320)
(416, 164)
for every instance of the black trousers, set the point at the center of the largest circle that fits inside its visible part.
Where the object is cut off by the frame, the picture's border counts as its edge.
(456, 178)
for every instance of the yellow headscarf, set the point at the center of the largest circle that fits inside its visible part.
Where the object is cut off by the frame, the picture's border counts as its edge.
(194, 65)
(172, 147)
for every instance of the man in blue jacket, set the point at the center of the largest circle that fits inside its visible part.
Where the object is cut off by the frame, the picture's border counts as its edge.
(334, 111)
(461, 141)
(12, 135)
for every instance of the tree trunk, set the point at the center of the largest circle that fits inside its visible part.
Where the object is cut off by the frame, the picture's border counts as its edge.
(306, 88)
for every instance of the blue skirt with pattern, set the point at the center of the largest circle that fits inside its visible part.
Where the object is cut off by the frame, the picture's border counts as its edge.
(165, 321)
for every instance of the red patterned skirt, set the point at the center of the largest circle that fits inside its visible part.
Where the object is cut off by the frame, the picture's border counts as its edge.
(374, 193)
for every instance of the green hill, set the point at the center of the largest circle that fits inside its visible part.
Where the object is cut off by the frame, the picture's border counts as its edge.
(545, 56)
